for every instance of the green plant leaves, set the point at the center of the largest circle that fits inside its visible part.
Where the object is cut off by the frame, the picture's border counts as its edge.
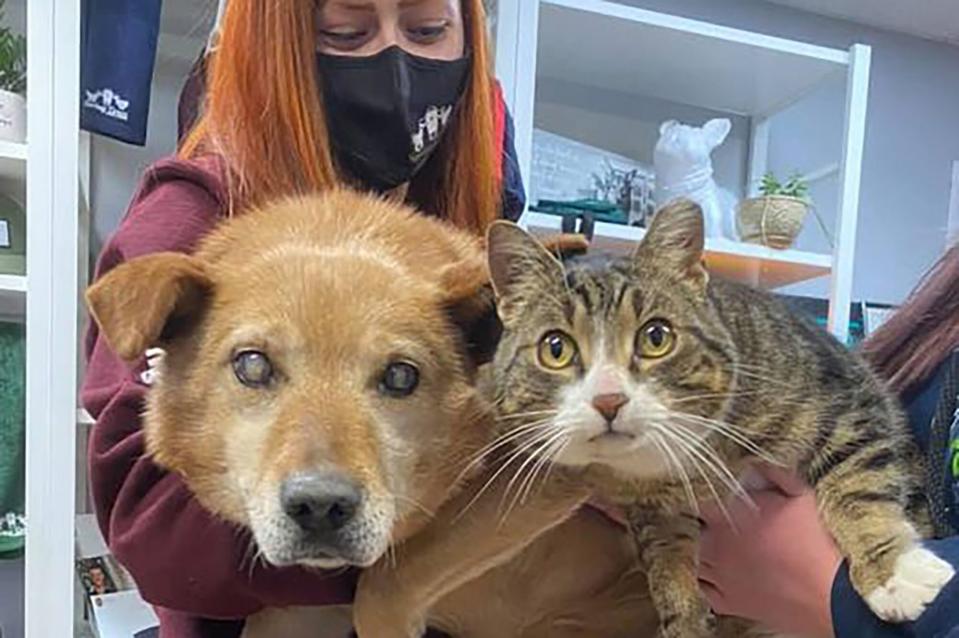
(13, 58)
(795, 186)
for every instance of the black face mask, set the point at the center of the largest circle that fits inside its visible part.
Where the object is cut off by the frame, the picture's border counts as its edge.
(387, 112)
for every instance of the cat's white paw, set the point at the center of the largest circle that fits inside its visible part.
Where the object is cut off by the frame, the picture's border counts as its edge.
(918, 578)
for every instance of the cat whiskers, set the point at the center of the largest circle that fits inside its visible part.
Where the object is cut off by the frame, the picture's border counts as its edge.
(734, 394)
(757, 373)
(538, 435)
(524, 415)
(672, 461)
(697, 460)
(502, 441)
(735, 433)
(542, 456)
(711, 459)
(416, 504)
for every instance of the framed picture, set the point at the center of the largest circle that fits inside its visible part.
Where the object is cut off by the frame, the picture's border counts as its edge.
(95, 576)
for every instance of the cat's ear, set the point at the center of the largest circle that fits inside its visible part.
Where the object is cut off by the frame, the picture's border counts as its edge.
(715, 131)
(676, 239)
(517, 261)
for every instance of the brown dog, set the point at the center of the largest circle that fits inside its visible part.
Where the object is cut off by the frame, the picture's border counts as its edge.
(320, 386)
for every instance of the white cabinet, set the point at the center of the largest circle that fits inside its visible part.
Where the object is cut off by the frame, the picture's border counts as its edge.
(604, 49)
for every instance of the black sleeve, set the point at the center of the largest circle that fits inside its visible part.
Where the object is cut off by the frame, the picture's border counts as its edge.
(514, 195)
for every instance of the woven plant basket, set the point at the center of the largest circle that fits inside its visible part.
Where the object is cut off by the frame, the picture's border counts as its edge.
(773, 220)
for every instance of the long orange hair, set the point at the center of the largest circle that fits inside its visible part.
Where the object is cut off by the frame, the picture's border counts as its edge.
(263, 115)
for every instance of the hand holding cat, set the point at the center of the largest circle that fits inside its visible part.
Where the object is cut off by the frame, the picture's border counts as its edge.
(778, 569)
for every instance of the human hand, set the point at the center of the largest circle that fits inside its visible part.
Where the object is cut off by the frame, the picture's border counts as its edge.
(778, 568)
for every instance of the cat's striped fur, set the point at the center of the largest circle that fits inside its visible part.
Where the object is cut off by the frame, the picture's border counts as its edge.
(746, 380)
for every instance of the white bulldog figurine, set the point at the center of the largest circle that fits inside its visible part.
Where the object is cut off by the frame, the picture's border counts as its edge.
(684, 169)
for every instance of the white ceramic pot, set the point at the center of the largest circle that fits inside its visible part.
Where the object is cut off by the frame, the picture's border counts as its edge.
(13, 117)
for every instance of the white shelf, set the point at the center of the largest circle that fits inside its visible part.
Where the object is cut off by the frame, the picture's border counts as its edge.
(650, 54)
(748, 263)
(13, 296)
(13, 161)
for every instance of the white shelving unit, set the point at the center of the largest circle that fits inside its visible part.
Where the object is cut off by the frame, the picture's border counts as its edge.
(609, 46)
(47, 300)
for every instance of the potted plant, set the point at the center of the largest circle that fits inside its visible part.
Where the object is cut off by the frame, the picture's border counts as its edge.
(13, 83)
(774, 218)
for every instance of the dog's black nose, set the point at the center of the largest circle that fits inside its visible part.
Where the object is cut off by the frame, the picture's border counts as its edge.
(320, 503)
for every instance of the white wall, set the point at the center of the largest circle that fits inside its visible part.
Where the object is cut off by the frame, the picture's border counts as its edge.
(118, 167)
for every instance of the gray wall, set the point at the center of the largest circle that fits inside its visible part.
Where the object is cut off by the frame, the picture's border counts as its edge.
(912, 135)
(117, 167)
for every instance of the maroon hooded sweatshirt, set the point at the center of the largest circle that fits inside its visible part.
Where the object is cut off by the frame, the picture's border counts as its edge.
(180, 555)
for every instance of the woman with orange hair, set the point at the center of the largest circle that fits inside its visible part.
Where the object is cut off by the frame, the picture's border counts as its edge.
(394, 96)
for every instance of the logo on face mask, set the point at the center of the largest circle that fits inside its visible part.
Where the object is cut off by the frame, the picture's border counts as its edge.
(430, 127)
(386, 113)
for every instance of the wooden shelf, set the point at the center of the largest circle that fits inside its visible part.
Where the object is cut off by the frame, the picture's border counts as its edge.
(748, 263)
(13, 296)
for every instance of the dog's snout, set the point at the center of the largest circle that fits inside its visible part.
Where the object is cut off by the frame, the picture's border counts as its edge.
(320, 503)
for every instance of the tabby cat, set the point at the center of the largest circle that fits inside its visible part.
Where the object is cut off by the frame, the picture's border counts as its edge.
(665, 383)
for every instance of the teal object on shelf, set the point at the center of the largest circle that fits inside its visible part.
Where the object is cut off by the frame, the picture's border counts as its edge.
(12, 439)
(599, 210)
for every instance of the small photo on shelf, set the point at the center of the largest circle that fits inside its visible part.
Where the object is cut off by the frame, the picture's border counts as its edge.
(95, 576)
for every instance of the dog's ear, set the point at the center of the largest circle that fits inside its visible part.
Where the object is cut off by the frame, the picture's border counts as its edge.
(470, 302)
(148, 301)
(565, 245)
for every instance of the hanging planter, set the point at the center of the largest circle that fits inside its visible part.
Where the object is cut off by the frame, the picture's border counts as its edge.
(775, 218)
(13, 84)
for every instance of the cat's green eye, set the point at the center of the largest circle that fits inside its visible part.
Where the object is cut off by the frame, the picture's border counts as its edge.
(557, 350)
(655, 339)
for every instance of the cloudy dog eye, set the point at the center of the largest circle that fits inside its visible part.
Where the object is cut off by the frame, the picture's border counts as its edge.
(252, 368)
(399, 379)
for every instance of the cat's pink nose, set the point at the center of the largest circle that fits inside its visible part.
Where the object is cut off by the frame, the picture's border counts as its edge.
(609, 405)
